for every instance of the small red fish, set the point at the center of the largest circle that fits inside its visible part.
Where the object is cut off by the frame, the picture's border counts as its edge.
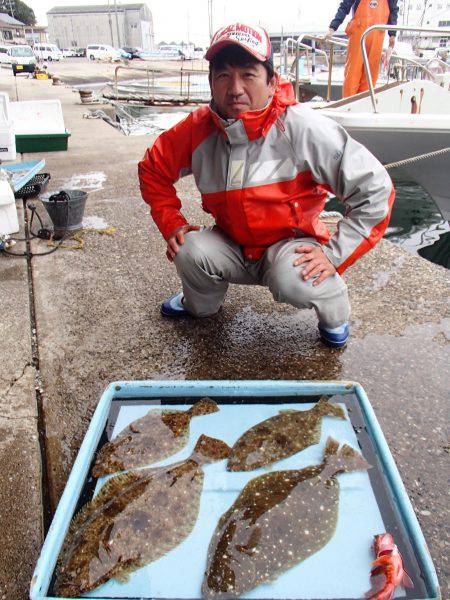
(388, 571)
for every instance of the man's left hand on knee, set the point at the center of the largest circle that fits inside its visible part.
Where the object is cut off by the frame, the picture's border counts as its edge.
(317, 263)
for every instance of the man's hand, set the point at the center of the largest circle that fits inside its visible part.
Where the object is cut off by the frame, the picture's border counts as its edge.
(391, 41)
(318, 263)
(329, 33)
(176, 239)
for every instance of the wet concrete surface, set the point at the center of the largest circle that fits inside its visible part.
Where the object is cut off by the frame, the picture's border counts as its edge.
(98, 321)
(20, 471)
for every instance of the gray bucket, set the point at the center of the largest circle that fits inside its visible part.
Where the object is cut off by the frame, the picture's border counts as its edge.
(66, 210)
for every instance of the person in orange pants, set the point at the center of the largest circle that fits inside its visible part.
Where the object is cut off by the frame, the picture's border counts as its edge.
(365, 14)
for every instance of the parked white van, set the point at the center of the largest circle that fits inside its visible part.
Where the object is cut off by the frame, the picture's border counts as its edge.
(5, 55)
(20, 56)
(47, 52)
(102, 51)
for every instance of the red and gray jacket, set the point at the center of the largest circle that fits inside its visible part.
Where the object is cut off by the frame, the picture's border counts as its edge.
(265, 178)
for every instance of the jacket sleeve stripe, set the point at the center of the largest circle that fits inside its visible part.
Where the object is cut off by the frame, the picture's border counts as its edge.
(354, 175)
(374, 237)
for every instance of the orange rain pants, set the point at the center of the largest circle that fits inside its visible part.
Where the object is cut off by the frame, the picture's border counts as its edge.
(368, 13)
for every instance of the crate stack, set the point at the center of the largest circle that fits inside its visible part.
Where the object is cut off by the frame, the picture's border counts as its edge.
(39, 126)
(7, 135)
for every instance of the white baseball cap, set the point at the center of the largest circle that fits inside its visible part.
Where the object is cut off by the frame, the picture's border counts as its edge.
(253, 39)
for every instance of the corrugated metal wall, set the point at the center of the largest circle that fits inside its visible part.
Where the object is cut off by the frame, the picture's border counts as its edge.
(135, 28)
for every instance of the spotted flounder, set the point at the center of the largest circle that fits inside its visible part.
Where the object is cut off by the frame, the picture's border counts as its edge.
(149, 439)
(280, 436)
(136, 518)
(278, 520)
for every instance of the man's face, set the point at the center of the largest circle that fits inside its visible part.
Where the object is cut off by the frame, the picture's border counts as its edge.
(238, 89)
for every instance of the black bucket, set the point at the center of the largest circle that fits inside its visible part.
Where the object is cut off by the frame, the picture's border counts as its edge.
(66, 210)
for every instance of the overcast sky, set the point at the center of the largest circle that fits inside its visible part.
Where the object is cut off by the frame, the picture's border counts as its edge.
(176, 20)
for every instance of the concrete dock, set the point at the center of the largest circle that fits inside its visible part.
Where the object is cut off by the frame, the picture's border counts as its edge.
(95, 312)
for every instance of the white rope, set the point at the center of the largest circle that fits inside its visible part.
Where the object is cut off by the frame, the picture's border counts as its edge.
(417, 158)
(331, 214)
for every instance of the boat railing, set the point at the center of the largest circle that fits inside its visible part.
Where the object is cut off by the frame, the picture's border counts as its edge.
(441, 64)
(320, 38)
(311, 49)
(308, 49)
(443, 31)
(310, 59)
(182, 85)
(401, 64)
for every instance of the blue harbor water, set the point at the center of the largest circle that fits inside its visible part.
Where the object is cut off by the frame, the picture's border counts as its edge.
(416, 224)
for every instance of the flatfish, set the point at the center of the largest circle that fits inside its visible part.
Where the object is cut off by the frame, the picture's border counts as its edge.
(136, 518)
(278, 520)
(280, 436)
(149, 439)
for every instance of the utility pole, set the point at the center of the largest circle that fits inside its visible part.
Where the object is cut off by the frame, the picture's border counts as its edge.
(210, 18)
(117, 24)
(188, 28)
(11, 9)
(407, 6)
(282, 48)
(110, 24)
(425, 7)
(422, 17)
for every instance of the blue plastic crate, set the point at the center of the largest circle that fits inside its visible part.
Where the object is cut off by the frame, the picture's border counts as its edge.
(23, 172)
(246, 393)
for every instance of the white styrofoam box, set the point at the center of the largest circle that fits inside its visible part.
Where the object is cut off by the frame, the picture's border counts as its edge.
(4, 106)
(7, 141)
(9, 223)
(37, 117)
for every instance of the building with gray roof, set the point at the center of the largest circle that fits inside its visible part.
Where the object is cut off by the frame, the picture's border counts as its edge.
(11, 30)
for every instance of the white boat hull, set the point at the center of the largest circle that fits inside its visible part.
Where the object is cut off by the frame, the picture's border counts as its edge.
(400, 134)
(432, 174)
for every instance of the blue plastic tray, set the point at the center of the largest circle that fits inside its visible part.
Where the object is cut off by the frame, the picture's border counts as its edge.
(245, 392)
(23, 172)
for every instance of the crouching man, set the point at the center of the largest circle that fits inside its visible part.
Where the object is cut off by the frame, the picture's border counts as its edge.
(263, 164)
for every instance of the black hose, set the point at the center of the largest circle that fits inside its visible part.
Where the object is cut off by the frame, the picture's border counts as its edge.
(34, 236)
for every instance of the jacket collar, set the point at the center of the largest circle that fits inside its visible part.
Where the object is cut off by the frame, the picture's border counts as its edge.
(253, 124)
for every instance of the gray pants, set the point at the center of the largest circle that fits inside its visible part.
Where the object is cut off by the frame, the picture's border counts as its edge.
(208, 261)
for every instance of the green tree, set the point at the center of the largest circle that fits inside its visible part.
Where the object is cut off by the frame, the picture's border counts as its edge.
(19, 10)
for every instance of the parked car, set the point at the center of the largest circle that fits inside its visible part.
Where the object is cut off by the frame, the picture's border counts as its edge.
(47, 52)
(123, 53)
(178, 51)
(80, 52)
(427, 53)
(20, 56)
(102, 52)
(66, 52)
(5, 57)
(147, 54)
(134, 52)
